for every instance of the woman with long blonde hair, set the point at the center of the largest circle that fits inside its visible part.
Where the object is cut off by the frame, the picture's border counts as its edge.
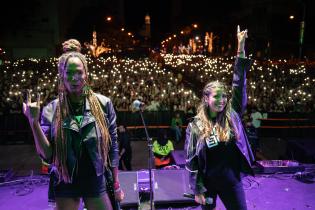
(77, 135)
(218, 152)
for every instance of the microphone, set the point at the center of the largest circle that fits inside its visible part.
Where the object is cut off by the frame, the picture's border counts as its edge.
(136, 104)
(209, 200)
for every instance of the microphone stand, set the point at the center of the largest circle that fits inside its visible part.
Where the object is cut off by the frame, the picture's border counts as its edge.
(150, 145)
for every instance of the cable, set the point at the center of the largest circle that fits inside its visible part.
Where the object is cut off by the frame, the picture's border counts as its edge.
(29, 184)
(26, 185)
(305, 177)
(250, 183)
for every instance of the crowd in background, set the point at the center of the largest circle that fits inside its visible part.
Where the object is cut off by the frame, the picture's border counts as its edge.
(163, 84)
(273, 86)
(123, 80)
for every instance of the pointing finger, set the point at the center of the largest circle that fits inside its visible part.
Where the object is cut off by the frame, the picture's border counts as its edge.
(238, 29)
(38, 99)
(28, 97)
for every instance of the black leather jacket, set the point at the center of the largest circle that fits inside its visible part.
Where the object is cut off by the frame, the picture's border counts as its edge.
(88, 132)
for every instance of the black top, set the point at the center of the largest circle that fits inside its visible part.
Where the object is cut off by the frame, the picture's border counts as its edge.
(221, 160)
(85, 166)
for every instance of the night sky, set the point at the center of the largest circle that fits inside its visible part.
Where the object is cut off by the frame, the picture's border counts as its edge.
(221, 17)
(169, 17)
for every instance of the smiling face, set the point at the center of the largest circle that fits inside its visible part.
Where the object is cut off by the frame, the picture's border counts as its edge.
(216, 99)
(74, 75)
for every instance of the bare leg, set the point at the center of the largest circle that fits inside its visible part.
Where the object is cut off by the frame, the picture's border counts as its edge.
(67, 203)
(98, 203)
(123, 165)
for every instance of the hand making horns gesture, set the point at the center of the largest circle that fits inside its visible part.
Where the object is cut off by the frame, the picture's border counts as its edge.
(31, 109)
(241, 36)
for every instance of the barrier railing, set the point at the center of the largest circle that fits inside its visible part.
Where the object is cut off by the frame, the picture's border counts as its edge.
(15, 128)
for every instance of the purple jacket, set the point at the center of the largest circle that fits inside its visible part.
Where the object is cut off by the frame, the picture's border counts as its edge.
(238, 103)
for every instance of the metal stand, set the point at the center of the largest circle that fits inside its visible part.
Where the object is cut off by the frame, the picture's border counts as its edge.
(150, 145)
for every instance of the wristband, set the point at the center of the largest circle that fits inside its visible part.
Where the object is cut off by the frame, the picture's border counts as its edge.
(116, 186)
(117, 190)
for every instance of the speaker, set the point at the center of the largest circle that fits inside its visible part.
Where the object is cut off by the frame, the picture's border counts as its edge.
(170, 186)
(301, 149)
(128, 182)
(179, 158)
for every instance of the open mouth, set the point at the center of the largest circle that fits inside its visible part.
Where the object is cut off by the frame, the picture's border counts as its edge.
(220, 106)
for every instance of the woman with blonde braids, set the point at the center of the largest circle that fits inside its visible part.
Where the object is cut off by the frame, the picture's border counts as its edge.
(218, 152)
(77, 134)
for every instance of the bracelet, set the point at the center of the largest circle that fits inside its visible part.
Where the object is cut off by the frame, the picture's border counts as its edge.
(117, 190)
(116, 186)
(240, 53)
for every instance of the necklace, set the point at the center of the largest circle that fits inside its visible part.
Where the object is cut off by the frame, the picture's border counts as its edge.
(76, 108)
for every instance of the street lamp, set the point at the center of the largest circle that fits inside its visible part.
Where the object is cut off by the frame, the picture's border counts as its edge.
(109, 18)
(302, 28)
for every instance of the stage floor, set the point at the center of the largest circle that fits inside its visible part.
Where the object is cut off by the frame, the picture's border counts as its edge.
(263, 192)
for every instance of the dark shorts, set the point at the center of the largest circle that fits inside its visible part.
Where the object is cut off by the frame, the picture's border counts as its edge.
(85, 182)
(81, 187)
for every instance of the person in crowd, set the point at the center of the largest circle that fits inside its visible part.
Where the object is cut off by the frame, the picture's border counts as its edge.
(190, 112)
(256, 117)
(154, 105)
(218, 152)
(125, 152)
(255, 123)
(77, 136)
(162, 150)
(176, 126)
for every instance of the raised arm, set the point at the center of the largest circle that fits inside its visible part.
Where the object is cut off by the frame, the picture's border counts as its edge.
(241, 36)
(32, 111)
(241, 66)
